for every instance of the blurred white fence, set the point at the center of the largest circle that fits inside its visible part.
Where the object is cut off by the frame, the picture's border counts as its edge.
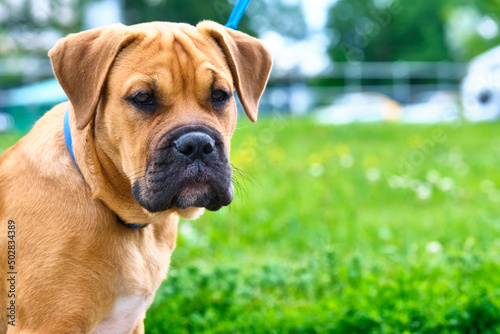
(30, 69)
(295, 93)
(401, 81)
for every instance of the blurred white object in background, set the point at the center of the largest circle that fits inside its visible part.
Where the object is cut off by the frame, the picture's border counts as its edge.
(432, 107)
(6, 122)
(103, 12)
(360, 107)
(481, 87)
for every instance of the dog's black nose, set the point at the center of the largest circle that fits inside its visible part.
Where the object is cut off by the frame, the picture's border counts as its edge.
(195, 145)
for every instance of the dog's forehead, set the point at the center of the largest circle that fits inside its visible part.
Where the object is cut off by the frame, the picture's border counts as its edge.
(166, 42)
(178, 54)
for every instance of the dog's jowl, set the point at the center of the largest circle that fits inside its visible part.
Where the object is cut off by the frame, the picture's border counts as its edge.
(91, 196)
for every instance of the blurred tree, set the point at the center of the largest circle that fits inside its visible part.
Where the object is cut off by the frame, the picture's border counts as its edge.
(387, 30)
(426, 30)
(473, 26)
(261, 15)
(32, 27)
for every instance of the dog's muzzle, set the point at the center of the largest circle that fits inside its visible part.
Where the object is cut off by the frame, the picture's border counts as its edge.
(189, 167)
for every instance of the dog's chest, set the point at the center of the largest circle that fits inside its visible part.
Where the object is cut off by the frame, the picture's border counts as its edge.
(142, 274)
(125, 316)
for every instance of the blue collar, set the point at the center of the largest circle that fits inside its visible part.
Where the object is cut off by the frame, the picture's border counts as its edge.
(67, 136)
(132, 226)
(237, 13)
(69, 144)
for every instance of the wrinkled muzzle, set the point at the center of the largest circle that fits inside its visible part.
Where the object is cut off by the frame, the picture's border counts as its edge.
(189, 167)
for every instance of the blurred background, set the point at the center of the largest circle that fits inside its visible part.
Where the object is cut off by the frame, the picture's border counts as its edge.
(368, 192)
(327, 53)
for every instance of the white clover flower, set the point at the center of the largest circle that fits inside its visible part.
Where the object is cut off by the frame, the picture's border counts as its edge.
(316, 169)
(432, 176)
(423, 192)
(445, 184)
(346, 161)
(396, 181)
(434, 247)
(385, 233)
(373, 174)
(186, 229)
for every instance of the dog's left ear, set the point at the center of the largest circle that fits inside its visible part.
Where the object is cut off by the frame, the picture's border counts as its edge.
(81, 63)
(249, 61)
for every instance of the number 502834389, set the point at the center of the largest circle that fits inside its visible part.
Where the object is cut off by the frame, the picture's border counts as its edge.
(11, 245)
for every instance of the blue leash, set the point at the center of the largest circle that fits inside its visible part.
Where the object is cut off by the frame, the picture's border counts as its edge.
(69, 144)
(237, 13)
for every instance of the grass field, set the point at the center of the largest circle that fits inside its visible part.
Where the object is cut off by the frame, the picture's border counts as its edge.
(364, 228)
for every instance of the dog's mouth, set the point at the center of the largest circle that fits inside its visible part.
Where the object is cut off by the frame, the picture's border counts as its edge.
(202, 195)
(189, 168)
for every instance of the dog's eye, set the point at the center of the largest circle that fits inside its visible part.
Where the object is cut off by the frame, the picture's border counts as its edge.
(143, 99)
(219, 96)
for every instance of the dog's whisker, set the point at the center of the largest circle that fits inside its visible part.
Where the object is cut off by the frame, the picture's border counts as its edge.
(245, 175)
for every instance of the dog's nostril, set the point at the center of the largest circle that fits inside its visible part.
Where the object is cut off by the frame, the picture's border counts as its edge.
(187, 150)
(195, 145)
(208, 148)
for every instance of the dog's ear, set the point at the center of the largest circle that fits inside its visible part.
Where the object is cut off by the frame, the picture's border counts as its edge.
(81, 63)
(249, 61)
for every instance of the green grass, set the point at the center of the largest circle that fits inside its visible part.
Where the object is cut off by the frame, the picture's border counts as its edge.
(364, 228)
(8, 139)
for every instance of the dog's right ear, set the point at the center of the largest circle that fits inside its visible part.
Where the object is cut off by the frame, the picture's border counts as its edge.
(81, 63)
(249, 61)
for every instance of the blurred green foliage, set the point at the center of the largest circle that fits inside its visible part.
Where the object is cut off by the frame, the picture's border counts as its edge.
(403, 30)
(375, 30)
(406, 30)
(7, 139)
(26, 22)
(283, 17)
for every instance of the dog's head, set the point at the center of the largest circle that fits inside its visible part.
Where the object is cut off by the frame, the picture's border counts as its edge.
(158, 102)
